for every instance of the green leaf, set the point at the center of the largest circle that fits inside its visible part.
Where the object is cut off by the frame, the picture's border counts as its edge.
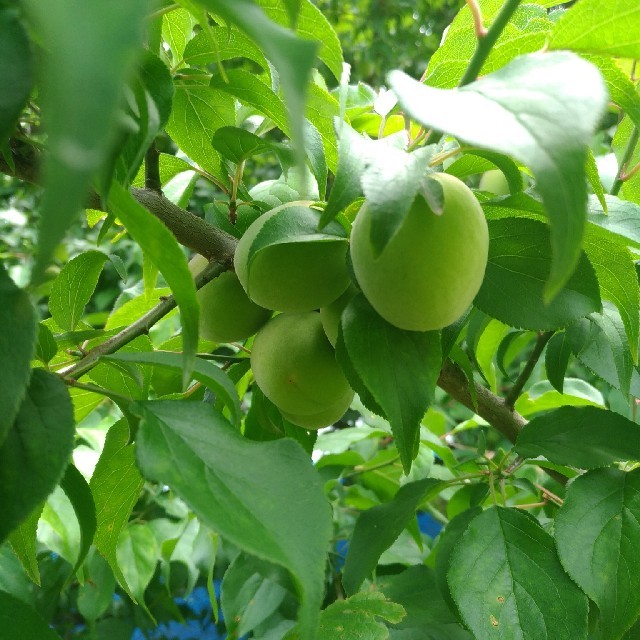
(248, 598)
(115, 484)
(96, 594)
(177, 31)
(597, 536)
(19, 620)
(195, 451)
(292, 57)
(506, 579)
(89, 51)
(204, 371)
(17, 344)
(428, 614)
(620, 87)
(46, 346)
(73, 287)
(519, 264)
(616, 273)
(526, 32)
(393, 371)
(604, 352)
(556, 360)
(165, 252)
(198, 111)
(356, 617)
(474, 162)
(583, 437)
(611, 28)
(447, 542)
(541, 396)
(138, 554)
(43, 431)
(622, 218)
(378, 528)
(321, 110)
(16, 70)
(23, 543)
(222, 43)
(252, 90)
(311, 24)
(77, 490)
(515, 112)
(237, 144)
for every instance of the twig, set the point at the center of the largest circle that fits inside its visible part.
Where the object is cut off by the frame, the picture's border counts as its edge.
(476, 13)
(152, 169)
(517, 388)
(140, 327)
(626, 157)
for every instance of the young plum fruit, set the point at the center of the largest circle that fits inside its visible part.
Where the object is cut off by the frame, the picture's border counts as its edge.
(226, 313)
(431, 269)
(494, 181)
(294, 364)
(291, 276)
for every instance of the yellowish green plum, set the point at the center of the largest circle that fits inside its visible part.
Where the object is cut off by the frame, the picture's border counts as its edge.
(226, 313)
(494, 181)
(294, 364)
(291, 276)
(431, 269)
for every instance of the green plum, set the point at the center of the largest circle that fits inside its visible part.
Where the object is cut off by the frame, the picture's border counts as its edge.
(226, 313)
(292, 275)
(494, 181)
(294, 364)
(430, 270)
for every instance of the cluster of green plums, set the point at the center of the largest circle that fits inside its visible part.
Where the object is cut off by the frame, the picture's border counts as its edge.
(290, 291)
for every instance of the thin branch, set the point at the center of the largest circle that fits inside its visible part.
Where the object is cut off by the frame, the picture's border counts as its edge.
(140, 327)
(626, 158)
(525, 374)
(152, 169)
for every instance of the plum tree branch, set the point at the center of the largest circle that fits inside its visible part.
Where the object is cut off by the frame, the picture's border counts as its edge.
(140, 327)
(518, 386)
(219, 246)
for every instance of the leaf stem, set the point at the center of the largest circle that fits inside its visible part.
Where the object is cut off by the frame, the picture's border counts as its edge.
(476, 13)
(140, 327)
(362, 469)
(628, 154)
(517, 388)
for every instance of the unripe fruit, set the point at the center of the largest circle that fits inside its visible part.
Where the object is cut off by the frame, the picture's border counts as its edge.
(291, 276)
(226, 313)
(494, 181)
(431, 269)
(295, 366)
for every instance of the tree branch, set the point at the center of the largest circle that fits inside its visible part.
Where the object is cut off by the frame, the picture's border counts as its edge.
(518, 386)
(140, 327)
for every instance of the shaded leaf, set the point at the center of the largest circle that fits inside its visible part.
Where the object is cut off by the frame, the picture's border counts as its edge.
(17, 344)
(138, 555)
(164, 251)
(43, 430)
(517, 107)
(393, 371)
(556, 360)
(16, 70)
(19, 620)
(23, 543)
(90, 46)
(583, 437)
(519, 264)
(193, 449)
(378, 528)
(506, 579)
(597, 536)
